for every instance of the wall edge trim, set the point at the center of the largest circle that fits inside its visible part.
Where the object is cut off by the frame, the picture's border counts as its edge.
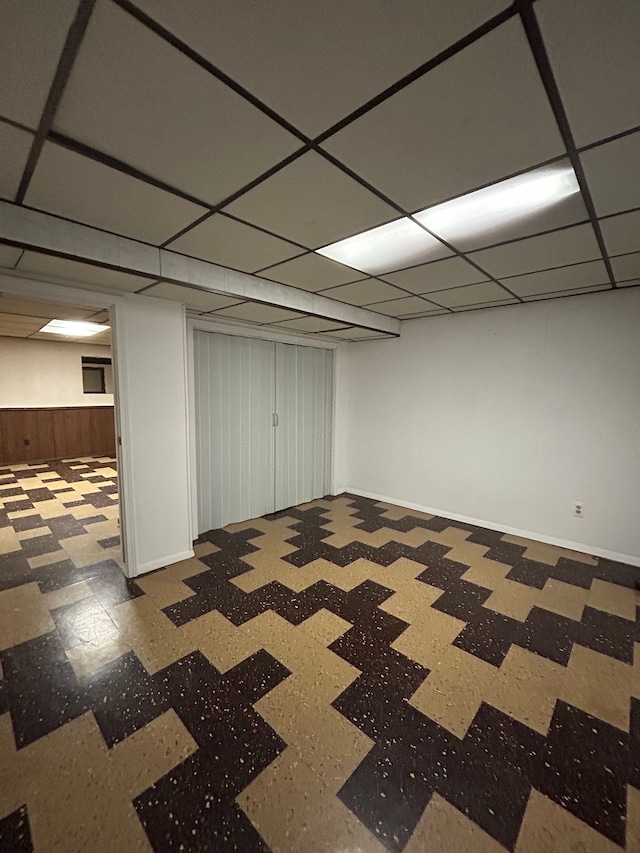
(503, 528)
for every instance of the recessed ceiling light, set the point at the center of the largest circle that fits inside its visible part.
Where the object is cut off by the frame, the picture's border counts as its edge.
(385, 248)
(488, 209)
(73, 328)
(403, 243)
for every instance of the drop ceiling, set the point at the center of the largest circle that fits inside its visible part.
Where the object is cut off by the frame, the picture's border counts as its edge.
(22, 317)
(252, 135)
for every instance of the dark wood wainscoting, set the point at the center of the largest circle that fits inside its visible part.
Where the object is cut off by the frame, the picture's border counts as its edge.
(30, 434)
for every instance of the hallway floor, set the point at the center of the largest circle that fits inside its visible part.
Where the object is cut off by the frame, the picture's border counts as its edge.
(346, 675)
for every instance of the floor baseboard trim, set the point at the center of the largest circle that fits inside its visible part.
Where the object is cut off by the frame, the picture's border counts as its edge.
(165, 561)
(502, 528)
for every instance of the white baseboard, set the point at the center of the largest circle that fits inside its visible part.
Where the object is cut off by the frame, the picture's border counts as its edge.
(161, 563)
(502, 528)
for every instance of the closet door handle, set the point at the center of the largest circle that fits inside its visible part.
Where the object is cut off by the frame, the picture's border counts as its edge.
(275, 419)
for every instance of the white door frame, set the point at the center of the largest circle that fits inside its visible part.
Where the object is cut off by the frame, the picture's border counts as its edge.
(48, 291)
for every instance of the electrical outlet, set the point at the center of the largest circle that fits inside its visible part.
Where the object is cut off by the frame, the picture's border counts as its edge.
(578, 509)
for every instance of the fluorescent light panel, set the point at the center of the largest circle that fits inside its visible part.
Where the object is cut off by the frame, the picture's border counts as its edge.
(385, 248)
(403, 243)
(73, 328)
(491, 208)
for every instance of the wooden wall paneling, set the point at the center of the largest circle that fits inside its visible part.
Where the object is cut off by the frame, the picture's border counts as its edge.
(55, 433)
(66, 432)
(103, 430)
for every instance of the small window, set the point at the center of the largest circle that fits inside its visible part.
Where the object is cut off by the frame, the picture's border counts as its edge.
(93, 380)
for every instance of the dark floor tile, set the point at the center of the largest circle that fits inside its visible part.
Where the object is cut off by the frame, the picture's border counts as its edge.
(42, 690)
(111, 542)
(585, 768)
(37, 545)
(463, 601)
(14, 569)
(99, 499)
(84, 621)
(109, 585)
(11, 492)
(255, 676)
(65, 526)
(92, 519)
(18, 505)
(38, 495)
(549, 635)
(603, 632)
(110, 489)
(481, 785)
(194, 802)
(490, 635)
(124, 697)
(15, 832)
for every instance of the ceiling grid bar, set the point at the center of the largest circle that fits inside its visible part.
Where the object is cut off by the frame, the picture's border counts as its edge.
(539, 50)
(65, 64)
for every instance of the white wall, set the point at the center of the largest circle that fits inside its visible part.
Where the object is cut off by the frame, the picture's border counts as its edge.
(35, 373)
(505, 416)
(151, 370)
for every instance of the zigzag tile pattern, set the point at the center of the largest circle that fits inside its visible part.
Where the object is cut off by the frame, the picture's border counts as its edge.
(343, 675)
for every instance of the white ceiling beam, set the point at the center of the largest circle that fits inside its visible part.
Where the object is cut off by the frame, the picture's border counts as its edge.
(44, 232)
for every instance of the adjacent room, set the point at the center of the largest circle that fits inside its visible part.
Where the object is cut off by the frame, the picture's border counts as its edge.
(57, 442)
(320, 426)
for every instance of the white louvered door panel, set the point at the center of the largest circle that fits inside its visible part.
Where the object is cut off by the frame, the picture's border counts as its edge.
(304, 383)
(234, 392)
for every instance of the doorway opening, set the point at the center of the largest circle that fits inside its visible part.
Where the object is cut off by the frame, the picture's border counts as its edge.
(59, 483)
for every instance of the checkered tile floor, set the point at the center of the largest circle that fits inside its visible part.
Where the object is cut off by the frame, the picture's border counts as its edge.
(344, 675)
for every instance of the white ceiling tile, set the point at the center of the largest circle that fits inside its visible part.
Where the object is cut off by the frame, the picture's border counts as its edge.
(15, 326)
(79, 274)
(402, 307)
(491, 122)
(73, 186)
(613, 174)
(569, 246)
(196, 300)
(312, 202)
(20, 305)
(593, 48)
(491, 227)
(15, 146)
(357, 334)
(311, 324)
(622, 233)
(626, 267)
(230, 243)
(471, 294)
(440, 275)
(364, 292)
(562, 278)
(134, 96)
(9, 256)
(32, 35)
(316, 62)
(254, 312)
(572, 292)
(311, 272)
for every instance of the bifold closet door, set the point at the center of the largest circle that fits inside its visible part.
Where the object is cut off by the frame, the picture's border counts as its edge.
(235, 392)
(304, 383)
